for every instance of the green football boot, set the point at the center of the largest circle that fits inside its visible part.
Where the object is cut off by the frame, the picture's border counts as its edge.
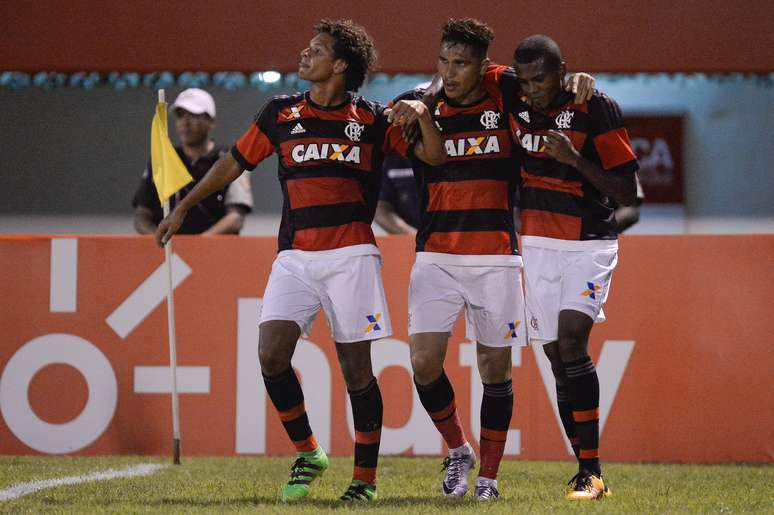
(307, 467)
(359, 491)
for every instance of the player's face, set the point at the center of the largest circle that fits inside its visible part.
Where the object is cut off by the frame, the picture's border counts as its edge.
(462, 72)
(192, 129)
(318, 59)
(539, 83)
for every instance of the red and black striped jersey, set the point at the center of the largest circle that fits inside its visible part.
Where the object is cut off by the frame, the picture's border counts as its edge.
(329, 169)
(557, 201)
(467, 203)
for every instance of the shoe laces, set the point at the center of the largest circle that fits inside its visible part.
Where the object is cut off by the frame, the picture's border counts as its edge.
(453, 467)
(580, 481)
(299, 467)
(356, 491)
(484, 492)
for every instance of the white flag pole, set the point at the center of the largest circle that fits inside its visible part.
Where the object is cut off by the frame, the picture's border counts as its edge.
(172, 339)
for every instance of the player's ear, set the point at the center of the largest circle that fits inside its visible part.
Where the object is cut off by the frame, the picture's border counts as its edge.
(485, 62)
(340, 65)
(562, 69)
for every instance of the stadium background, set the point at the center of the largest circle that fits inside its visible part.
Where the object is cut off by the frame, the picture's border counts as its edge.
(71, 157)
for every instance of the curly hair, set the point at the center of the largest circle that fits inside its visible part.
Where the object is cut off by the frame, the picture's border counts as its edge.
(470, 32)
(354, 45)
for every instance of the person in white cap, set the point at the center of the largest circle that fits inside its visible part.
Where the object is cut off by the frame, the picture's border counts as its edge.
(224, 211)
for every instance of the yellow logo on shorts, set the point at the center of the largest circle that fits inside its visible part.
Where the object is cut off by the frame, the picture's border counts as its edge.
(373, 322)
(512, 326)
(591, 290)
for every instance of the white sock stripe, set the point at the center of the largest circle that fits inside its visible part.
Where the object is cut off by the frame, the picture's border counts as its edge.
(22, 489)
(580, 370)
(583, 364)
(498, 392)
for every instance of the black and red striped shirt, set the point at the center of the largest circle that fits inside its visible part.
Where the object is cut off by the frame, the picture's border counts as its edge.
(466, 203)
(330, 162)
(557, 201)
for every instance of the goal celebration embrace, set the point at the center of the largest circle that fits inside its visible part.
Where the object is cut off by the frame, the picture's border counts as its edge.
(386, 256)
(330, 144)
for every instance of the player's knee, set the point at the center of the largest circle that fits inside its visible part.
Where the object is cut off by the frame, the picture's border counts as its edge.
(275, 349)
(357, 379)
(357, 373)
(571, 348)
(426, 366)
(272, 362)
(494, 365)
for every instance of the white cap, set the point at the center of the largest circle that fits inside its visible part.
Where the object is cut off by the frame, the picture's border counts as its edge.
(195, 101)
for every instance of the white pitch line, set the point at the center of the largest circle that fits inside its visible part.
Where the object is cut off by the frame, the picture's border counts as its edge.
(23, 489)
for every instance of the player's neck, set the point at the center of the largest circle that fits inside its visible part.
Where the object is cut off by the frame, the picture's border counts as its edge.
(475, 96)
(328, 93)
(196, 152)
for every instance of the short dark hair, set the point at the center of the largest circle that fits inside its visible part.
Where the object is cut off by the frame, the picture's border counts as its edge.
(538, 47)
(469, 32)
(354, 45)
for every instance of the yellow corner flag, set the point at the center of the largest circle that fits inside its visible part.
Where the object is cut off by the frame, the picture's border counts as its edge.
(169, 172)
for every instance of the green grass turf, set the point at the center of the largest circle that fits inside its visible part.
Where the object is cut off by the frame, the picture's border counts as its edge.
(406, 485)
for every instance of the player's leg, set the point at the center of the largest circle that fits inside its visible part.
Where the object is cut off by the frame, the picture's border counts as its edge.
(494, 366)
(586, 281)
(542, 276)
(495, 318)
(367, 412)
(563, 402)
(289, 307)
(352, 294)
(428, 351)
(435, 301)
(583, 387)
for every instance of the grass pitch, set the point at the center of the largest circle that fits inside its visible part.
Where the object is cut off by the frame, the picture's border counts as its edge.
(406, 485)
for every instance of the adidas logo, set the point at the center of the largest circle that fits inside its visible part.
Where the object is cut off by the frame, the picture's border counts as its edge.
(524, 115)
(298, 129)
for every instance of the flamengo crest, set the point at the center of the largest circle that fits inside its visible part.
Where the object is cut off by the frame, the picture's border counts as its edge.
(564, 119)
(490, 119)
(353, 131)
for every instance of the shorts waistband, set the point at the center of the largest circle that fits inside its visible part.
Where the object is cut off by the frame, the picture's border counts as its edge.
(365, 249)
(570, 245)
(441, 258)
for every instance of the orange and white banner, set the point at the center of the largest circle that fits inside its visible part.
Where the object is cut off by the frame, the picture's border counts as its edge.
(684, 360)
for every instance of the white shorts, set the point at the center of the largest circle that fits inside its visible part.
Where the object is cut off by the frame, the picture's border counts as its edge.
(349, 289)
(558, 278)
(491, 295)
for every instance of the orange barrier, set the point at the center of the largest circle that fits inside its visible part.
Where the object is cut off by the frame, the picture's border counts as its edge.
(684, 359)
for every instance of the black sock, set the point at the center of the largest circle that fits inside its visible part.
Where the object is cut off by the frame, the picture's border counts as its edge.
(583, 385)
(496, 412)
(285, 392)
(367, 410)
(565, 413)
(438, 400)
